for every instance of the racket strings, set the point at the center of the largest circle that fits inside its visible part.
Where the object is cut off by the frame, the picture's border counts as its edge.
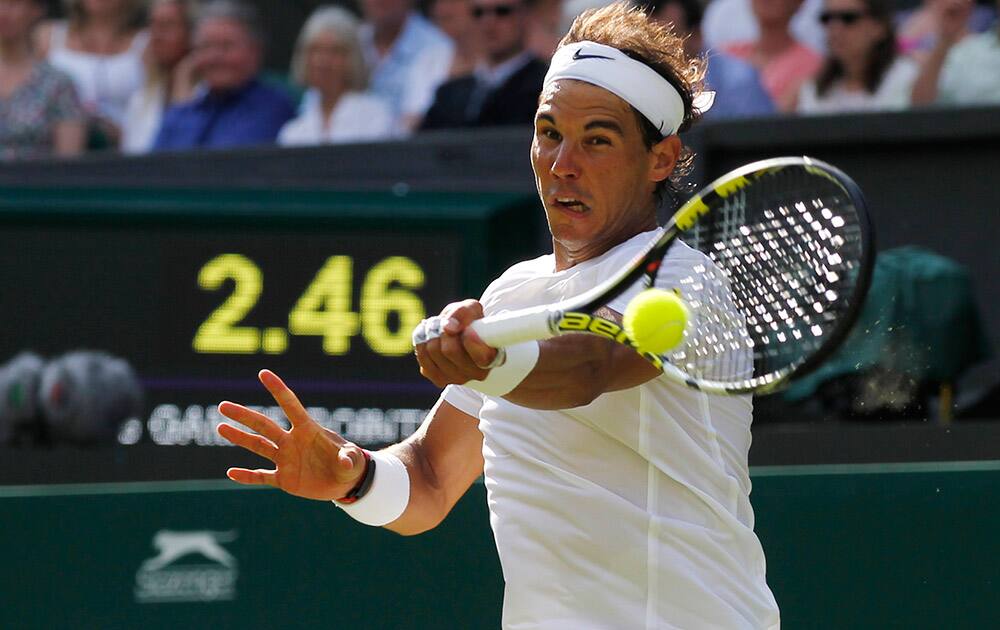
(784, 254)
(717, 345)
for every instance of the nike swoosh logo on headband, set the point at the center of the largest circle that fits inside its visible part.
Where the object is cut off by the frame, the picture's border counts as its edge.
(577, 56)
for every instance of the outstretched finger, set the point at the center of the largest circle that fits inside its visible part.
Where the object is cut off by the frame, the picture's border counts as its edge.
(285, 398)
(253, 419)
(253, 443)
(257, 477)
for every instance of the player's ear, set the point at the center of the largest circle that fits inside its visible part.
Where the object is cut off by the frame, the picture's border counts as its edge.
(663, 158)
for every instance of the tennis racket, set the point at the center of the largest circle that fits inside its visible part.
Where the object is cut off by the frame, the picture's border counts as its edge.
(786, 259)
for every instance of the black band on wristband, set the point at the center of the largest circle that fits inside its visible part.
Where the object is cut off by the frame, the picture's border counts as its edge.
(365, 484)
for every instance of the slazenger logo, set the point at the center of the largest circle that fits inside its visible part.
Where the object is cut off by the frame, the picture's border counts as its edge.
(162, 579)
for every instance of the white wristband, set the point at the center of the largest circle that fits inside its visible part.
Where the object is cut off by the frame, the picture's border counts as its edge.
(388, 496)
(521, 359)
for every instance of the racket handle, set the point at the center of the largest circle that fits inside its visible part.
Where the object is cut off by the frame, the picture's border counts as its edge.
(531, 324)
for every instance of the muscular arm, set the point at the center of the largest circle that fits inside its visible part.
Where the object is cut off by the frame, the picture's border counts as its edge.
(572, 370)
(575, 369)
(443, 457)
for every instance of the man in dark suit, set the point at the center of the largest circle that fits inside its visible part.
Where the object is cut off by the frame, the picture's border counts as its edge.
(504, 88)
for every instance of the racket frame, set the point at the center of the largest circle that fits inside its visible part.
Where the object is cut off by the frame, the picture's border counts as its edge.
(577, 314)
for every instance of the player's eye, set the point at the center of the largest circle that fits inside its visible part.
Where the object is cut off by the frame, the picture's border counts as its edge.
(550, 133)
(599, 140)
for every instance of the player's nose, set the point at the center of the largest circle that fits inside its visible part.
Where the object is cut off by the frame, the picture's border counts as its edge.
(565, 163)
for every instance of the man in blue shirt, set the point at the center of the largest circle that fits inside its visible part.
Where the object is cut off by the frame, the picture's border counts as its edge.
(409, 58)
(232, 107)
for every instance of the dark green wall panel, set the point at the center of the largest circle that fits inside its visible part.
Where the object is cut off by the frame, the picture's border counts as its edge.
(869, 546)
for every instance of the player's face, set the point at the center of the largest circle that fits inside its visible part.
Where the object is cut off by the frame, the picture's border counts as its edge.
(594, 175)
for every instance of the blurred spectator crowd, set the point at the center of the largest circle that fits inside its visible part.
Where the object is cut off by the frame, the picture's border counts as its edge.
(141, 76)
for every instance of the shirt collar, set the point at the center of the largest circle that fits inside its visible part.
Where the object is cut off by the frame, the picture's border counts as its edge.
(496, 75)
(203, 97)
(405, 44)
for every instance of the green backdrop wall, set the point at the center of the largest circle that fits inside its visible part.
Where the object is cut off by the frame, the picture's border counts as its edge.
(850, 546)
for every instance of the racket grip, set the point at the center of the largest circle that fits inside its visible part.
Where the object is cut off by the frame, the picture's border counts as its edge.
(515, 327)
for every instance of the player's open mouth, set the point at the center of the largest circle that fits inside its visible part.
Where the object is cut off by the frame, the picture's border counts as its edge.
(571, 204)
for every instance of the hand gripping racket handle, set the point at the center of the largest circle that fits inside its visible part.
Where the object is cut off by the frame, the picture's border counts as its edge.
(508, 329)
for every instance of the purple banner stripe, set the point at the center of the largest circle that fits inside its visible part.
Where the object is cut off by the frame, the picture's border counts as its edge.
(310, 386)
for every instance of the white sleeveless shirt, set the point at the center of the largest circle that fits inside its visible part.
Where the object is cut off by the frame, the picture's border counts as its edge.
(105, 83)
(632, 511)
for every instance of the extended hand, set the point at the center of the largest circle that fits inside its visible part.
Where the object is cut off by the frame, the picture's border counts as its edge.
(310, 460)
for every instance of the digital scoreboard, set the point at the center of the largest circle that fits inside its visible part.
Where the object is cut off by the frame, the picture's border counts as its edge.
(199, 292)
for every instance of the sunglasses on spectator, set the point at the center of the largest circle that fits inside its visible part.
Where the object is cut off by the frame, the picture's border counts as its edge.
(500, 10)
(847, 18)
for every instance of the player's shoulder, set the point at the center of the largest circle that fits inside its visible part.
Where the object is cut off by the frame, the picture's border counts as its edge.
(684, 259)
(682, 253)
(532, 266)
(519, 272)
(630, 248)
(620, 256)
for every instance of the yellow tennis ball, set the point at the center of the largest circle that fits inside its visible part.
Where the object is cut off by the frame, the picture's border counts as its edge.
(655, 320)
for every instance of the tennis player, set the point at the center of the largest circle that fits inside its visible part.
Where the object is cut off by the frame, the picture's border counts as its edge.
(617, 498)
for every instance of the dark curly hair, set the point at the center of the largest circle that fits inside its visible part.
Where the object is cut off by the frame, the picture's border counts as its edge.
(629, 29)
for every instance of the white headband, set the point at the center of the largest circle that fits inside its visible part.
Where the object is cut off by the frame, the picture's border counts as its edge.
(633, 81)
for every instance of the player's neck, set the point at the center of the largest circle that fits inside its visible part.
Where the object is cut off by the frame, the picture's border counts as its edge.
(570, 254)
